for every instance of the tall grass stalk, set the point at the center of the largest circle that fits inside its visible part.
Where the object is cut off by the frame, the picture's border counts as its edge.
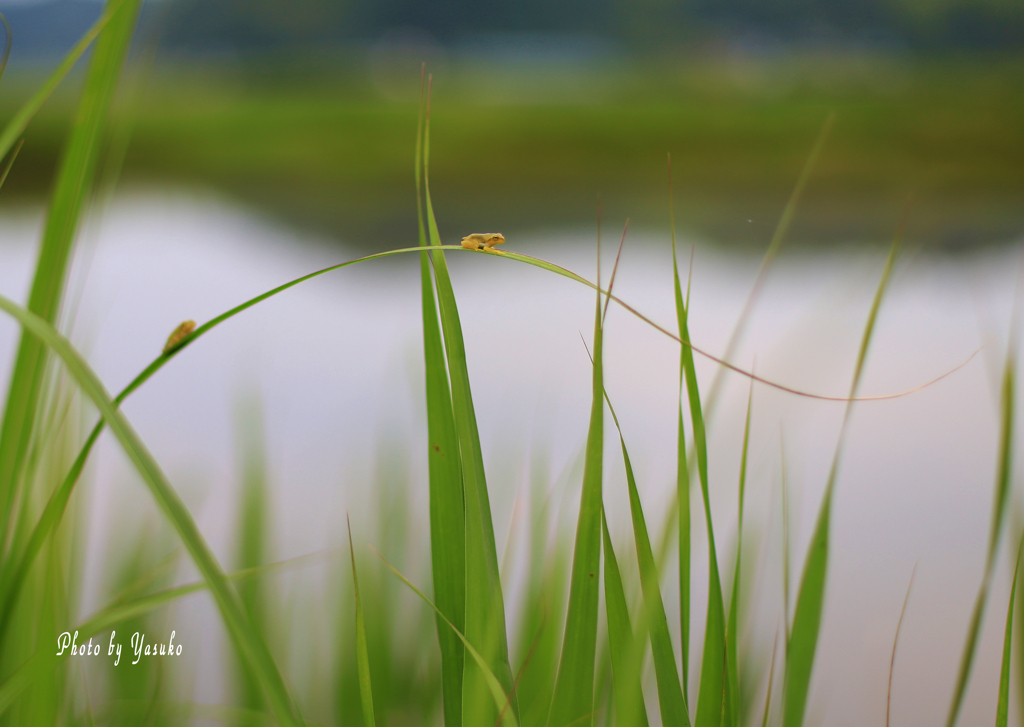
(485, 606)
(75, 177)
(810, 603)
(999, 506)
(447, 510)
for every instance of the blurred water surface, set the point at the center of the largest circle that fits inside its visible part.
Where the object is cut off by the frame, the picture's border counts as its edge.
(336, 364)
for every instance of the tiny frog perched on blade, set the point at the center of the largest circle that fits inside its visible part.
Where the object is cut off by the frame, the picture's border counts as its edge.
(178, 336)
(484, 241)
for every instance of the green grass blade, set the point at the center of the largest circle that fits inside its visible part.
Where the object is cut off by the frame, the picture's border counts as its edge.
(19, 122)
(1002, 490)
(74, 179)
(803, 640)
(122, 609)
(362, 652)
(787, 556)
(12, 577)
(778, 236)
(1003, 705)
(671, 699)
(447, 513)
(892, 659)
(713, 683)
(771, 681)
(8, 38)
(501, 698)
(485, 607)
(741, 322)
(254, 534)
(682, 497)
(895, 643)
(10, 163)
(732, 707)
(248, 642)
(574, 686)
(630, 710)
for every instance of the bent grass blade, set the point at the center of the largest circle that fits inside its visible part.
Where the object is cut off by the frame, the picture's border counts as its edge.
(501, 698)
(56, 504)
(250, 645)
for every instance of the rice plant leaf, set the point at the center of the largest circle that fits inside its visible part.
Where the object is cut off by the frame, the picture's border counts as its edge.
(782, 227)
(71, 191)
(732, 707)
(10, 162)
(671, 700)
(19, 122)
(1002, 490)
(713, 683)
(803, 639)
(670, 694)
(447, 513)
(771, 680)
(124, 608)
(23, 677)
(8, 38)
(574, 686)
(1003, 705)
(485, 608)
(682, 495)
(15, 570)
(253, 536)
(121, 610)
(501, 698)
(626, 658)
(362, 652)
(250, 645)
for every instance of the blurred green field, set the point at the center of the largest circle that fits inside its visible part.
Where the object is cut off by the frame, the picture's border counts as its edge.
(534, 146)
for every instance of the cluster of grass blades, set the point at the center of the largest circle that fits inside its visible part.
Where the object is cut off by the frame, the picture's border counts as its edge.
(479, 682)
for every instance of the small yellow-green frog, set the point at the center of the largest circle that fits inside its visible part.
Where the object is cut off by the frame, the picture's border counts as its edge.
(178, 336)
(484, 241)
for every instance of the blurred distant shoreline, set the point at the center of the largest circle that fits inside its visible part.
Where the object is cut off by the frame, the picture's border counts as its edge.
(531, 127)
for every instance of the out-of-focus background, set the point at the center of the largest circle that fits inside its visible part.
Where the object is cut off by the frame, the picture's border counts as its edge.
(264, 139)
(306, 111)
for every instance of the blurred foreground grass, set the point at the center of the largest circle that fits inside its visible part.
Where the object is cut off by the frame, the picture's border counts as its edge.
(528, 147)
